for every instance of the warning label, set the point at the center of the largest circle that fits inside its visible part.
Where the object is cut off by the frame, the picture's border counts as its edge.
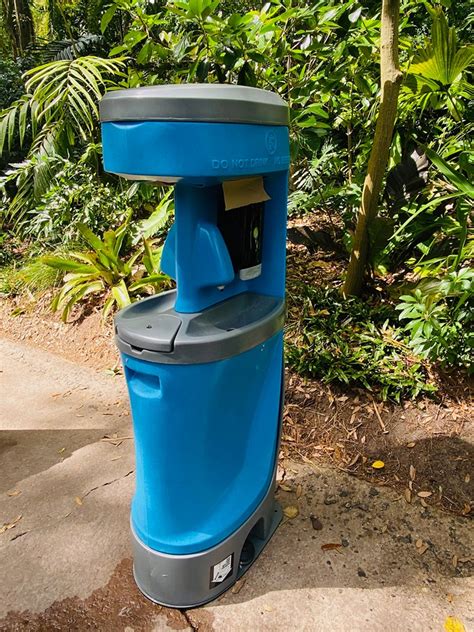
(221, 571)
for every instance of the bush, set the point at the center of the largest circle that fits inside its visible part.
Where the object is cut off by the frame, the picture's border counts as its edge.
(76, 195)
(106, 272)
(11, 85)
(439, 318)
(349, 341)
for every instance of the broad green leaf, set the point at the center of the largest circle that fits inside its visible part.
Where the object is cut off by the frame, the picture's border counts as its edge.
(152, 279)
(89, 236)
(456, 178)
(60, 263)
(108, 15)
(90, 288)
(355, 15)
(120, 294)
(441, 60)
(108, 305)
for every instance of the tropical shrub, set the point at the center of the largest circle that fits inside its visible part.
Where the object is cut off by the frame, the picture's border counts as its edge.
(76, 195)
(105, 271)
(439, 318)
(437, 76)
(11, 85)
(60, 110)
(349, 341)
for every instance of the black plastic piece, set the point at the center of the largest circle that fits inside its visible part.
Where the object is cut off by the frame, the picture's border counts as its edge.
(242, 229)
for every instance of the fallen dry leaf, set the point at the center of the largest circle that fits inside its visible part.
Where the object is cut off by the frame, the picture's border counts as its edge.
(452, 624)
(14, 492)
(407, 494)
(291, 511)
(238, 586)
(419, 543)
(467, 478)
(331, 546)
(423, 548)
(285, 488)
(378, 465)
(411, 444)
(424, 494)
(354, 460)
(412, 473)
(299, 491)
(10, 525)
(78, 500)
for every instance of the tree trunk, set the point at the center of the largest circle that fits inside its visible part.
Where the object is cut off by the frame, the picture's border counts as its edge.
(18, 23)
(390, 80)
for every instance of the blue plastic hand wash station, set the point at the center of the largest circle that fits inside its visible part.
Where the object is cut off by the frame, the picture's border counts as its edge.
(204, 362)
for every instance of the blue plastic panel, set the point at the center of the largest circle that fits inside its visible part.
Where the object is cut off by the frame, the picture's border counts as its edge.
(196, 256)
(206, 439)
(195, 151)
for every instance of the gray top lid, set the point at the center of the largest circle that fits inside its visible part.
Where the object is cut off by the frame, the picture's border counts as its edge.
(205, 102)
(152, 330)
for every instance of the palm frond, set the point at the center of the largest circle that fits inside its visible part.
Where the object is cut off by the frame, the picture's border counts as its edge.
(441, 61)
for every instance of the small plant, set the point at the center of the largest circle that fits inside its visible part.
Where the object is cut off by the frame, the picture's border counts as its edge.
(105, 272)
(439, 318)
(352, 342)
(31, 276)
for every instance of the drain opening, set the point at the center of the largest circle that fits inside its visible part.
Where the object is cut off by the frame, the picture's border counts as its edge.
(248, 553)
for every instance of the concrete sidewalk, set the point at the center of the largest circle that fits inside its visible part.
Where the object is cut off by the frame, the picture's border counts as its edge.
(65, 560)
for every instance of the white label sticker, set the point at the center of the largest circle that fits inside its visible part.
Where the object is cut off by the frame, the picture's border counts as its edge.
(222, 570)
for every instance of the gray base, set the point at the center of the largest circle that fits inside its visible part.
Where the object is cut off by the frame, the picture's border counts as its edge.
(185, 581)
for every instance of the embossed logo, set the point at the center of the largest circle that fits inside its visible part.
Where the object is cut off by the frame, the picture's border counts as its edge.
(271, 142)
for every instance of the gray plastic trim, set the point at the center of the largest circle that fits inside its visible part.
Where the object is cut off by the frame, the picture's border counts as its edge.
(210, 103)
(183, 581)
(152, 330)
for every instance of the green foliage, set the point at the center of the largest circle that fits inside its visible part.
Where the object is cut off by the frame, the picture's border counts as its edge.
(322, 58)
(437, 228)
(11, 85)
(440, 310)
(105, 271)
(60, 109)
(31, 276)
(439, 317)
(352, 342)
(9, 248)
(76, 195)
(62, 97)
(437, 72)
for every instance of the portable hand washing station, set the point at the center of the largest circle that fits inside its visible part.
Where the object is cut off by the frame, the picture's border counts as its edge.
(204, 362)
